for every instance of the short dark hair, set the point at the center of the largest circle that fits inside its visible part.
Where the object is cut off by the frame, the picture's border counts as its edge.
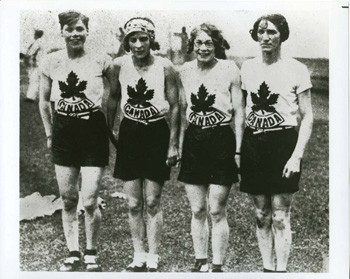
(214, 33)
(278, 20)
(72, 17)
(154, 45)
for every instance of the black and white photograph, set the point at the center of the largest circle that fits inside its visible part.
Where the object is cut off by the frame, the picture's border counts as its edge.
(180, 139)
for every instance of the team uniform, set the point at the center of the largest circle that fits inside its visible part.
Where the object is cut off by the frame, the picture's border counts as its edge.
(144, 134)
(209, 143)
(79, 136)
(272, 114)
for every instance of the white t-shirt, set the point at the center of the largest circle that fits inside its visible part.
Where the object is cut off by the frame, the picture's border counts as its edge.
(77, 84)
(208, 96)
(143, 97)
(272, 91)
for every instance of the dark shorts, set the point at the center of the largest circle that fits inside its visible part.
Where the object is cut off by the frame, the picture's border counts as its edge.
(208, 156)
(142, 151)
(263, 159)
(79, 142)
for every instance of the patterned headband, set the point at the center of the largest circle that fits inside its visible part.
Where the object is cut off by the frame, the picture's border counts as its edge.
(139, 25)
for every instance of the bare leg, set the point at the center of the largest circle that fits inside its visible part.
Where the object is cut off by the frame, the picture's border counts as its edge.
(67, 178)
(197, 196)
(134, 191)
(263, 211)
(218, 196)
(153, 191)
(281, 228)
(91, 177)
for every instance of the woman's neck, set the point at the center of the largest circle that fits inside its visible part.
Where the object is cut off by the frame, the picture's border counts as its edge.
(205, 66)
(271, 57)
(143, 62)
(75, 53)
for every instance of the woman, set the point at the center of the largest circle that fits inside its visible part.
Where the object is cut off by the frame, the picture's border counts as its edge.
(147, 91)
(210, 159)
(278, 93)
(73, 78)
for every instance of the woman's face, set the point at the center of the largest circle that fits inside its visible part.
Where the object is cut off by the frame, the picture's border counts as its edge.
(269, 37)
(204, 47)
(140, 44)
(75, 35)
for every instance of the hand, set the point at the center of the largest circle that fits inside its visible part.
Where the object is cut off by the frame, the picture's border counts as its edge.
(238, 163)
(113, 138)
(238, 160)
(173, 156)
(292, 167)
(49, 142)
(178, 164)
(115, 135)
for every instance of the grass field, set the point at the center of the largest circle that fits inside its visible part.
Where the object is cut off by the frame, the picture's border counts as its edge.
(42, 244)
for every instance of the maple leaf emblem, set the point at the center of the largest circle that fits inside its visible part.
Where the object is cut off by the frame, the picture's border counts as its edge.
(203, 102)
(263, 100)
(72, 87)
(141, 95)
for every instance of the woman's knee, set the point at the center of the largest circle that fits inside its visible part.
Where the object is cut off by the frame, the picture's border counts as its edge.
(199, 212)
(153, 205)
(70, 202)
(135, 206)
(281, 219)
(263, 218)
(90, 205)
(217, 213)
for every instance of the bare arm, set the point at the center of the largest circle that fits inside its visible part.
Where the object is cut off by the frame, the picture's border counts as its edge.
(239, 112)
(183, 119)
(44, 106)
(305, 108)
(171, 91)
(112, 74)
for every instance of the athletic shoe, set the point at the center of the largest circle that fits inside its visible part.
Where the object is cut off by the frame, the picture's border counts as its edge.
(217, 270)
(152, 262)
(199, 267)
(72, 263)
(91, 264)
(136, 267)
(28, 100)
(139, 263)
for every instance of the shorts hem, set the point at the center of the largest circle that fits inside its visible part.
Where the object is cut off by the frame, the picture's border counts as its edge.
(156, 179)
(65, 164)
(193, 180)
(268, 192)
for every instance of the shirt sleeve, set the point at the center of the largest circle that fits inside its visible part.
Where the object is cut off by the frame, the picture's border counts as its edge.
(304, 80)
(44, 66)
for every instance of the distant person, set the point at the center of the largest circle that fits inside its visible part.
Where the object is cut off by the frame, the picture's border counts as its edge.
(278, 92)
(211, 98)
(120, 37)
(33, 57)
(117, 48)
(73, 79)
(147, 146)
(184, 40)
